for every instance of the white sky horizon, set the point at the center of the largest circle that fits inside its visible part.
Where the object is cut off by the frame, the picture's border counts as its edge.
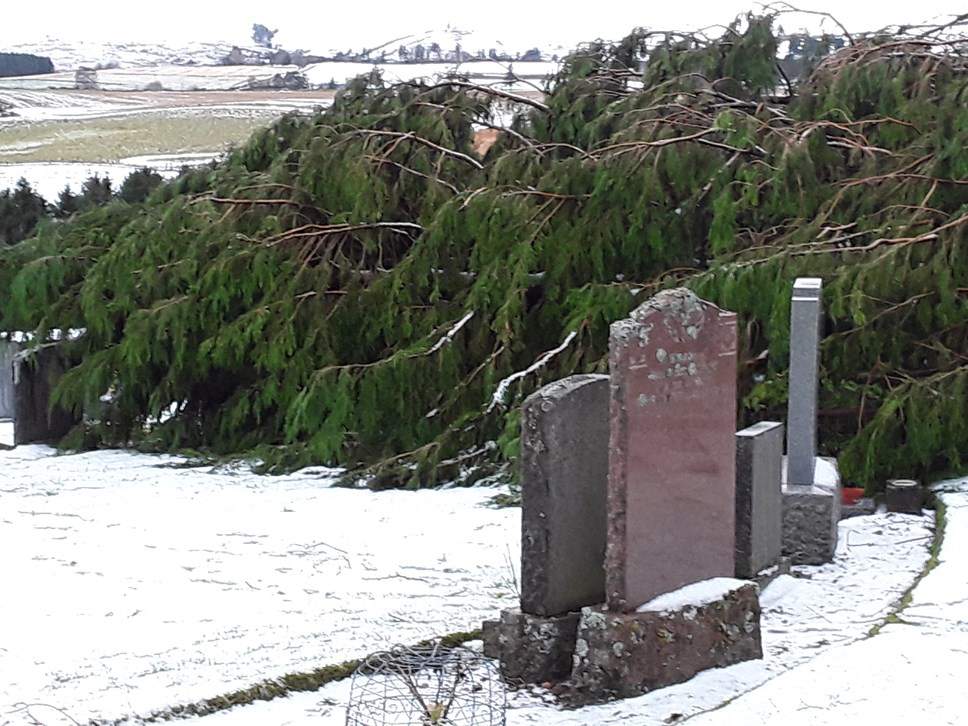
(312, 26)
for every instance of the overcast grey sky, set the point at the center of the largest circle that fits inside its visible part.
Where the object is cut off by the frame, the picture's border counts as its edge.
(312, 24)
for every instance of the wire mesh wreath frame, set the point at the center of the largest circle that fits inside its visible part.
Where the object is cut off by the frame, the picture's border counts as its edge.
(433, 685)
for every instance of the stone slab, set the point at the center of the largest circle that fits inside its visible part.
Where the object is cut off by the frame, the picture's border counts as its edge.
(621, 655)
(759, 499)
(564, 477)
(804, 376)
(859, 508)
(36, 372)
(531, 648)
(904, 496)
(764, 577)
(8, 349)
(672, 457)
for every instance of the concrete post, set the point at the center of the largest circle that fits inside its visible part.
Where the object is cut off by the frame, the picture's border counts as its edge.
(804, 375)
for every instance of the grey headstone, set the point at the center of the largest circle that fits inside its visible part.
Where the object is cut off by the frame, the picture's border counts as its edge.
(8, 349)
(759, 500)
(564, 474)
(36, 372)
(804, 373)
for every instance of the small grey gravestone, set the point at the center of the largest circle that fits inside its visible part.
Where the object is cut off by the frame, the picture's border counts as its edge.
(672, 455)
(759, 498)
(564, 470)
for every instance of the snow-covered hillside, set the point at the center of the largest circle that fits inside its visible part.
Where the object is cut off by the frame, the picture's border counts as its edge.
(446, 44)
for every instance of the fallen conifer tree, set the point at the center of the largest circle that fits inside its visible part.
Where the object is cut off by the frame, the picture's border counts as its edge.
(362, 288)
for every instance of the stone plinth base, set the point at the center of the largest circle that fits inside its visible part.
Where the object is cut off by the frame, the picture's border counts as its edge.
(620, 655)
(811, 514)
(531, 648)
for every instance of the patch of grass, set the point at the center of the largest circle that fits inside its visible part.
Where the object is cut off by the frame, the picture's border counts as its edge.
(115, 138)
(270, 689)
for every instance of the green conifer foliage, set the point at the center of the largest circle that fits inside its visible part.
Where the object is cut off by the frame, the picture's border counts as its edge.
(361, 288)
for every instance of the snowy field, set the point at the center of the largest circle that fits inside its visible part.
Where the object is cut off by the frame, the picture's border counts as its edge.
(50, 177)
(67, 119)
(69, 104)
(133, 584)
(235, 78)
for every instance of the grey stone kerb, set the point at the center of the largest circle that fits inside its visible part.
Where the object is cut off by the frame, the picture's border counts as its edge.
(803, 380)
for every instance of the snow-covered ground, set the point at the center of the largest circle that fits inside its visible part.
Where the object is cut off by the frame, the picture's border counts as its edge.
(48, 107)
(50, 177)
(73, 54)
(131, 584)
(318, 75)
(73, 105)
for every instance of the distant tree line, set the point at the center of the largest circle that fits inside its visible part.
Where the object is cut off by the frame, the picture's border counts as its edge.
(22, 209)
(24, 64)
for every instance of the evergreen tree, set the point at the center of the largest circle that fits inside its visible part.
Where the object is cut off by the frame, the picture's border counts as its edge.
(21, 210)
(67, 203)
(261, 35)
(139, 184)
(24, 64)
(361, 288)
(95, 192)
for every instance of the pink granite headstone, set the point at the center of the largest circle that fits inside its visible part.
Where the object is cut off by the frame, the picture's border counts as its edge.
(672, 459)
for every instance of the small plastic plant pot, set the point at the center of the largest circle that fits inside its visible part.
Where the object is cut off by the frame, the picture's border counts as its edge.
(850, 495)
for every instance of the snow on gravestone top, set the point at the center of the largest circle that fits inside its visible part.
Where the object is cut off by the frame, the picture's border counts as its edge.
(671, 483)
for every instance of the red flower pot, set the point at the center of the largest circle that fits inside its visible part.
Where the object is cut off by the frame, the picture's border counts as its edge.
(850, 495)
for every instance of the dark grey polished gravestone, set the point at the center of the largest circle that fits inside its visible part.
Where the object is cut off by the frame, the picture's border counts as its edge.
(759, 499)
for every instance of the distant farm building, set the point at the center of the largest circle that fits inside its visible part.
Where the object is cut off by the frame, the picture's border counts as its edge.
(85, 79)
